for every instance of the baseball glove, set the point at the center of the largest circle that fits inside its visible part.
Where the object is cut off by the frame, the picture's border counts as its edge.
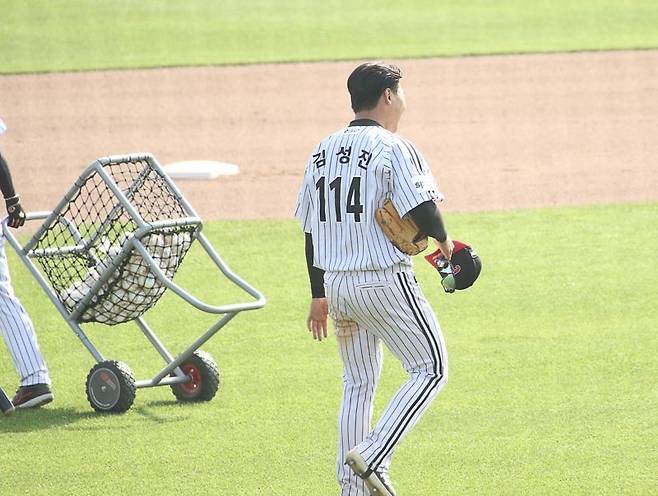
(403, 233)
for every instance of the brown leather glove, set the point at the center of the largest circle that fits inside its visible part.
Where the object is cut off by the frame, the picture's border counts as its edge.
(15, 211)
(403, 233)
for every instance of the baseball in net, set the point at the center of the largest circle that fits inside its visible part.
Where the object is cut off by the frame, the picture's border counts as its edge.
(86, 248)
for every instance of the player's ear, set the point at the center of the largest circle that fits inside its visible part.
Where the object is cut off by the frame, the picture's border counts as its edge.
(387, 95)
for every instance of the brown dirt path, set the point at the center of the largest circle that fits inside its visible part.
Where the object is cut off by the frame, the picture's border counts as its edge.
(500, 132)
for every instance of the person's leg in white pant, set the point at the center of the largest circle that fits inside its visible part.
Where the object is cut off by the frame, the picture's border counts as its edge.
(18, 331)
(361, 353)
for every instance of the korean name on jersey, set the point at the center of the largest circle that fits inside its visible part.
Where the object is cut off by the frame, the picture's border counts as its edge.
(348, 177)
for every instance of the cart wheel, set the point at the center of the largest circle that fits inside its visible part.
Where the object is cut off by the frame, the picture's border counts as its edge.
(204, 375)
(111, 387)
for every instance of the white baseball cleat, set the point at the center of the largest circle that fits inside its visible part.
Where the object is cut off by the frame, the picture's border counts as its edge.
(375, 482)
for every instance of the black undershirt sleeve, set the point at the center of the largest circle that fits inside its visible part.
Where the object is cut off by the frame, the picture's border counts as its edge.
(428, 219)
(315, 275)
(6, 184)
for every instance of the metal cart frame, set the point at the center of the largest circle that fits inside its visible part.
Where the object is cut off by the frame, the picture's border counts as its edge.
(172, 373)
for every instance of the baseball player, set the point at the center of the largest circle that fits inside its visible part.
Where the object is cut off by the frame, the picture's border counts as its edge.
(364, 282)
(15, 324)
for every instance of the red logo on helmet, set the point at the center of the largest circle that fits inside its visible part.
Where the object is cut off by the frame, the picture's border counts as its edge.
(456, 269)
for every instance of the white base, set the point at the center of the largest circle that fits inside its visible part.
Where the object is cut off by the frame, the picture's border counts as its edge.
(200, 169)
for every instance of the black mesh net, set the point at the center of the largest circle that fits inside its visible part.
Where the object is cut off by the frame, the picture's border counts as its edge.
(89, 241)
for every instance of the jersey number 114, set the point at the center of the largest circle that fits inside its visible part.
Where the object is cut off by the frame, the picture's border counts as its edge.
(353, 206)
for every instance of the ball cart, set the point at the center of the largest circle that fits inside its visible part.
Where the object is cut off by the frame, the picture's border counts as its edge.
(107, 253)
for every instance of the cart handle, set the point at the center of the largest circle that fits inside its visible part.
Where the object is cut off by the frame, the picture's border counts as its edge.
(10, 235)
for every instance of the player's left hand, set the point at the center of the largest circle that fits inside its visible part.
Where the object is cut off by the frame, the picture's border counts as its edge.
(16, 212)
(317, 318)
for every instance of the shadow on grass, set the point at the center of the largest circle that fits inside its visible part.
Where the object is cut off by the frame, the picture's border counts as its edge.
(177, 406)
(42, 418)
(46, 418)
(163, 411)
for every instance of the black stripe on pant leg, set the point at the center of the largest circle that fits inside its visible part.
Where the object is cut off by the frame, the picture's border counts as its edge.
(406, 353)
(424, 395)
(429, 334)
(380, 320)
(423, 326)
(407, 418)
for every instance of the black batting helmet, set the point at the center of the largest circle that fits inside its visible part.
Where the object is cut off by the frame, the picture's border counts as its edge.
(461, 271)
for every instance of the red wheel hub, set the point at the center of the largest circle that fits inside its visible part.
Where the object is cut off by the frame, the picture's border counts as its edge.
(194, 384)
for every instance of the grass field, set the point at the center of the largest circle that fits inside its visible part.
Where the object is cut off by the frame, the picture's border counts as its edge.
(553, 374)
(83, 34)
(553, 386)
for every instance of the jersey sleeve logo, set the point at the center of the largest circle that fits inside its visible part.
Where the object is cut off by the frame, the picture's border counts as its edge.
(424, 184)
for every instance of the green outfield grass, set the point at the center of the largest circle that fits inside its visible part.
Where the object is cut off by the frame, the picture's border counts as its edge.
(62, 35)
(553, 375)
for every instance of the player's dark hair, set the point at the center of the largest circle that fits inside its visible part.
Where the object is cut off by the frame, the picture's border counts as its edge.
(368, 81)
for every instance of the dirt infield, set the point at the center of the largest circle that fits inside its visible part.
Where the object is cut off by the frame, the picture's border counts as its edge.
(500, 132)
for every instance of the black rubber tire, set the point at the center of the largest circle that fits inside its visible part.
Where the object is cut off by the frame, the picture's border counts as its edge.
(111, 387)
(204, 372)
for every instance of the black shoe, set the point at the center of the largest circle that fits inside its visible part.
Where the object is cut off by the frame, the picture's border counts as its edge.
(32, 396)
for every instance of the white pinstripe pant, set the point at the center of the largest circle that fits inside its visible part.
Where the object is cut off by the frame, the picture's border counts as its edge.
(368, 308)
(18, 331)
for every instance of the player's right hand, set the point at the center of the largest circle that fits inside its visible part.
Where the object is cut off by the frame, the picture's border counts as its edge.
(16, 212)
(317, 318)
(446, 247)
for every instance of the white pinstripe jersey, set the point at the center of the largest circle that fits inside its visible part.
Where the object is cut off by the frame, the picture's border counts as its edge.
(349, 176)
